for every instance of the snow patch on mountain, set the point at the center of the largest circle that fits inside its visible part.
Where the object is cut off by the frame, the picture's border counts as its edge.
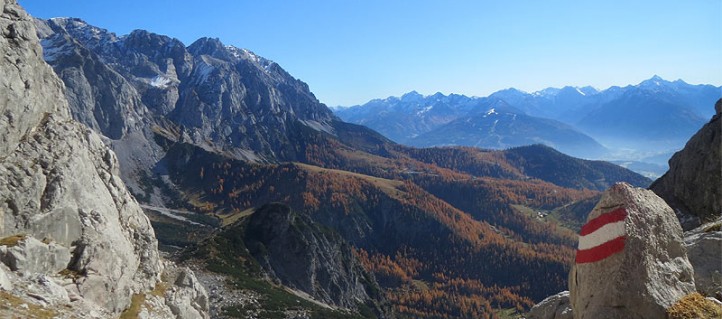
(52, 52)
(424, 110)
(160, 82)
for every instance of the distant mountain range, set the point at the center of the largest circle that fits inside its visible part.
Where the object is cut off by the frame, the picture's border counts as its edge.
(635, 122)
(502, 126)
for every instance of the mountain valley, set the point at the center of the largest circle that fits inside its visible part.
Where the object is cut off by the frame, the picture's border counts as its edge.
(221, 132)
(167, 180)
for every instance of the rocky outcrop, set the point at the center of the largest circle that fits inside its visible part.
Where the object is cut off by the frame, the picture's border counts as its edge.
(704, 249)
(631, 261)
(187, 299)
(693, 184)
(303, 256)
(29, 89)
(29, 255)
(284, 261)
(553, 307)
(62, 183)
(99, 97)
(59, 182)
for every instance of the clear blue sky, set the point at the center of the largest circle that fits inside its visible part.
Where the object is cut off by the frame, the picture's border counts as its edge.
(351, 51)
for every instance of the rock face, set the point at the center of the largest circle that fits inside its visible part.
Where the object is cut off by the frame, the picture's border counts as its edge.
(693, 184)
(138, 87)
(29, 90)
(704, 247)
(553, 307)
(59, 182)
(303, 256)
(221, 97)
(631, 261)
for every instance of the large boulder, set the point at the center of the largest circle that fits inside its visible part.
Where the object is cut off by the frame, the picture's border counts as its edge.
(187, 299)
(553, 307)
(704, 249)
(693, 184)
(631, 261)
(29, 255)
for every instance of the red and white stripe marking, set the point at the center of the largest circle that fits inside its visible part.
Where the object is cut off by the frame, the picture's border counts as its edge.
(602, 237)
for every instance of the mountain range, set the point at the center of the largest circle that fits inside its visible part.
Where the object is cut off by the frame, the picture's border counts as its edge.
(246, 176)
(646, 122)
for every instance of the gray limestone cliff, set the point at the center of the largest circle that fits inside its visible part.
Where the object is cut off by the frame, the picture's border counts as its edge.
(305, 256)
(215, 96)
(693, 184)
(60, 183)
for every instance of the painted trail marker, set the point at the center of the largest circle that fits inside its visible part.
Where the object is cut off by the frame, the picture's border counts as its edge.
(631, 261)
(602, 237)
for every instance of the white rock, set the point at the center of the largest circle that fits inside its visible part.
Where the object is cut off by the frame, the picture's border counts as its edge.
(5, 281)
(704, 249)
(32, 256)
(649, 274)
(190, 299)
(553, 307)
(48, 290)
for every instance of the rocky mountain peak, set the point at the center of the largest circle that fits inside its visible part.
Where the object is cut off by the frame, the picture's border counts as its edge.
(90, 35)
(412, 96)
(655, 83)
(210, 46)
(214, 93)
(153, 44)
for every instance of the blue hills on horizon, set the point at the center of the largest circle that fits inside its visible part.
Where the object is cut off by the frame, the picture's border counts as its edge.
(646, 122)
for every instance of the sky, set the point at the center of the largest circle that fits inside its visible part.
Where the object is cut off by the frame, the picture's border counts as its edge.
(352, 51)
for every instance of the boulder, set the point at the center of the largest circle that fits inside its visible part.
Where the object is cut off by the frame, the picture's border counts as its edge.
(31, 256)
(631, 261)
(704, 249)
(553, 307)
(46, 290)
(187, 299)
(5, 280)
